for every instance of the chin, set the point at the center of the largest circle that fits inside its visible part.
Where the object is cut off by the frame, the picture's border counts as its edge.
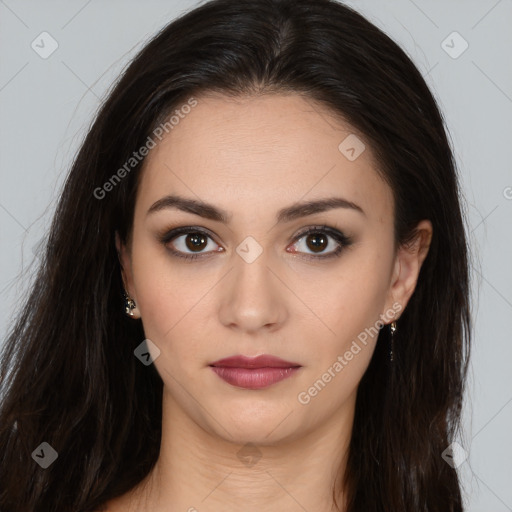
(251, 426)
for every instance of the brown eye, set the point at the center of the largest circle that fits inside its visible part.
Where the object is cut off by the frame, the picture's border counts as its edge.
(317, 242)
(189, 243)
(196, 241)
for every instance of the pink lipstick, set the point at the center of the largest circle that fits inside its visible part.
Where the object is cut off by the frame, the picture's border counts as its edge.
(254, 372)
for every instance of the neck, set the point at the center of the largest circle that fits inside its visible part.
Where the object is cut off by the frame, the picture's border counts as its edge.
(200, 471)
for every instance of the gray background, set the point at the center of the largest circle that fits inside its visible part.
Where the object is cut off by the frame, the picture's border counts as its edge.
(47, 104)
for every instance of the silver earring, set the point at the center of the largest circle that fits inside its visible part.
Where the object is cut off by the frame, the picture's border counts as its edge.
(129, 304)
(392, 329)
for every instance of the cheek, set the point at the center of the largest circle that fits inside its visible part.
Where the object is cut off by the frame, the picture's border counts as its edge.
(162, 295)
(352, 303)
(175, 301)
(354, 296)
(340, 356)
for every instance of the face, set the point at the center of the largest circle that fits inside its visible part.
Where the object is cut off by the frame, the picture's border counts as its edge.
(255, 282)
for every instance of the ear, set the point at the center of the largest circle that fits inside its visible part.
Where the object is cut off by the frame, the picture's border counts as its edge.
(407, 266)
(124, 256)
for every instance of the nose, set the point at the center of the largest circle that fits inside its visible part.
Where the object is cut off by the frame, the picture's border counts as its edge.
(254, 296)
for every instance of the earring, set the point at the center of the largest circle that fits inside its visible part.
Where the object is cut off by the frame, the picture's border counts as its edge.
(392, 329)
(129, 304)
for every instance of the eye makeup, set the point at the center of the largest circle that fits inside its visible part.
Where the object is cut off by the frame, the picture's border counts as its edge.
(169, 236)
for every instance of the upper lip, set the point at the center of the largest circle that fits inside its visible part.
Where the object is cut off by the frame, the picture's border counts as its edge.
(263, 361)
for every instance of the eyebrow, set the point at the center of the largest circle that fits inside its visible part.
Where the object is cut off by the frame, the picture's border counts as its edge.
(209, 211)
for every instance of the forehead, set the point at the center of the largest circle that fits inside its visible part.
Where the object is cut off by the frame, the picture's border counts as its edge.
(245, 154)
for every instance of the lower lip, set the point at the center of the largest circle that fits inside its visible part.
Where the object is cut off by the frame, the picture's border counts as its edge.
(255, 378)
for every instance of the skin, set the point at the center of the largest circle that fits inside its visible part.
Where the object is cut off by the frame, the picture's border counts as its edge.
(252, 156)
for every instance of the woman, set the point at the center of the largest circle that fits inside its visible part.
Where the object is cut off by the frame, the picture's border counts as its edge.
(255, 289)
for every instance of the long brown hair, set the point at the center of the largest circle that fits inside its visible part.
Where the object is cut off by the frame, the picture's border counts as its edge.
(68, 373)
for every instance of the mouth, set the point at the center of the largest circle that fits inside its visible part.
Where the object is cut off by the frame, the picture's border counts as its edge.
(254, 372)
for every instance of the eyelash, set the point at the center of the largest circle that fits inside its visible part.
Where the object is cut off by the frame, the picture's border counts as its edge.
(342, 240)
